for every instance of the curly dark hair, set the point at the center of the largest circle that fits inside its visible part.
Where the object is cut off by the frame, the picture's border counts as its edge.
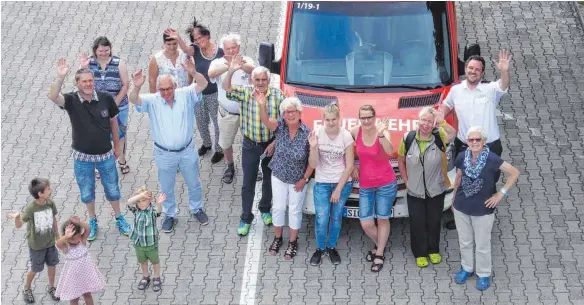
(196, 25)
(67, 223)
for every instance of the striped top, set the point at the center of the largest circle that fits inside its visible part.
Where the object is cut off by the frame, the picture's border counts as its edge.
(108, 80)
(251, 124)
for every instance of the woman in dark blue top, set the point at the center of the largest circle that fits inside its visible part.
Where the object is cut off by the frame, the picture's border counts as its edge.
(475, 200)
(290, 169)
(111, 75)
(204, 51)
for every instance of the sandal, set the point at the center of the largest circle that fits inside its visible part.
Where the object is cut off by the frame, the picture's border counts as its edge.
(144, 283)
(377, 267)
(28, 296)
(228, 175)
(124, 167)
(292, 250)
(156, 284)
(275, 247)
(370, 255)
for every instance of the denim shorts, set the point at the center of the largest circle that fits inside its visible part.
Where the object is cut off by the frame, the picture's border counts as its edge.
(122, 122)
(377, 201)
(85, 176)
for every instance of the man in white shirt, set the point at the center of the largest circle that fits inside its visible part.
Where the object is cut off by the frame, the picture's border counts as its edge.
(475, 101)
(228, 109)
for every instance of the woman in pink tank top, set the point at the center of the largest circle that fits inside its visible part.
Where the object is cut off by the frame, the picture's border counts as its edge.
(377, 181)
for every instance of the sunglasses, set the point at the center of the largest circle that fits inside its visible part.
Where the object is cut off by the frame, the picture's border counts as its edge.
(474, 140)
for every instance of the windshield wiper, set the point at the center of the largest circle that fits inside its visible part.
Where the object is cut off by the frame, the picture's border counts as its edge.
(329, 87)
(396, 86)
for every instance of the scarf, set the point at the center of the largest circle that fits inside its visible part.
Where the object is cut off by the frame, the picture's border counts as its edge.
(471, 183)
(473, 171)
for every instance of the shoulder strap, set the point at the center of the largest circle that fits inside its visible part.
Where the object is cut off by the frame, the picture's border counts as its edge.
(410, 139)
(438, 139)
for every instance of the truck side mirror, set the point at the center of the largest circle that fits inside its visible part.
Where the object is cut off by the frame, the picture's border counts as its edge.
(266, 57)
(469, 50)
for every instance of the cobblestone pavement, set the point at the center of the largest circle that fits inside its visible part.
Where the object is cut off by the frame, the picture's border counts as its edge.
(538, 249)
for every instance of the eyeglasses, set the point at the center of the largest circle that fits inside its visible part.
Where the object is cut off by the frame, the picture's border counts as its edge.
(289, 112)
(474, 140)
(366, 118)
(165, 89)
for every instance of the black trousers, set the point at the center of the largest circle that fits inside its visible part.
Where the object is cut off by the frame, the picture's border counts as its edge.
(425, 224)
(250, 160)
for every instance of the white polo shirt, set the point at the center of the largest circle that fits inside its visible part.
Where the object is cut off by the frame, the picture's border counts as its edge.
(476, 107)
(240, 78)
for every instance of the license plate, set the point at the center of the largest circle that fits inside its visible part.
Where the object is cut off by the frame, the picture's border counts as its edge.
(351, 212)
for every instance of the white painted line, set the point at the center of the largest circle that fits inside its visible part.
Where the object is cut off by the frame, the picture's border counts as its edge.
(253, 254)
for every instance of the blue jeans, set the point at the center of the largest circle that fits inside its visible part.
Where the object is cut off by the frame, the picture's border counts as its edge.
(122, 122)
(85, 176)
(328, 215)
(377, 201)
(167, 164)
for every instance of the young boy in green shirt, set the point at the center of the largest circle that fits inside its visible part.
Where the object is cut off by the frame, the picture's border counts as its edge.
(41, 232)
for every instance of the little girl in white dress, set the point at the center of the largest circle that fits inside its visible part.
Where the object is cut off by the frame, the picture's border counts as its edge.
(80, 275)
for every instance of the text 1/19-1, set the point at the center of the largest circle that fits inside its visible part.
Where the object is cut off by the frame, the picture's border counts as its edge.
(307, 6)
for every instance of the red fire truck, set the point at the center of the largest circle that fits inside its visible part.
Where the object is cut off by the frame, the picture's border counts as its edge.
(396, 56)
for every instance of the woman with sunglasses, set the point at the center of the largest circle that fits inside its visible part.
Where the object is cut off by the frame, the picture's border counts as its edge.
(422, 163)
(474, 204)
(377, 181)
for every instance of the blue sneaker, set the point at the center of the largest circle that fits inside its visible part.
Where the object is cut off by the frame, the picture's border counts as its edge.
(92, 229)
(123, 225)
(483, 283)
(462, 276)
(168, 224)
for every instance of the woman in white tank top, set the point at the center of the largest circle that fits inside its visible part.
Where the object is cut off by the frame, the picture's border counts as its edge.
(169, 60)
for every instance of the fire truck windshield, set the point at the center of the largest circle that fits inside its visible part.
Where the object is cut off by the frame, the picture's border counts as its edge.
(376, 45)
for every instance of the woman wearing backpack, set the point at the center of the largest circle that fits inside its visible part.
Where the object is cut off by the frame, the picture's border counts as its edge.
(422, 164)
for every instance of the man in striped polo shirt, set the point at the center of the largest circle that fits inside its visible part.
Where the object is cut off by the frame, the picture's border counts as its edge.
(257, 145)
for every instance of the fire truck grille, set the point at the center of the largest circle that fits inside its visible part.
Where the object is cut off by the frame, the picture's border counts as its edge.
(315, 100)
(419, 101)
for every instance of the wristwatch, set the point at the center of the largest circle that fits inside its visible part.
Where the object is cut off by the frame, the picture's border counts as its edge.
(306, 179)
(503, 191)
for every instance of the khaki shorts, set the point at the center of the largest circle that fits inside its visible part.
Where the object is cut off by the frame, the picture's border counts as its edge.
(145, 254)
(228, 128)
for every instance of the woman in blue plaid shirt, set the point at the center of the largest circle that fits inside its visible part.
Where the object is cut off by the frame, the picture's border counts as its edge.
(144, 235)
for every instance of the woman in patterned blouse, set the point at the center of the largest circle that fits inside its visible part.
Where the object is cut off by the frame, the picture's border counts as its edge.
(290, 169)
(111, 75)
(475, 200)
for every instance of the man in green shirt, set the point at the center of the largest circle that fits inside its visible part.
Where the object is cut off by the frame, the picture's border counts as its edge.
(41, 232)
